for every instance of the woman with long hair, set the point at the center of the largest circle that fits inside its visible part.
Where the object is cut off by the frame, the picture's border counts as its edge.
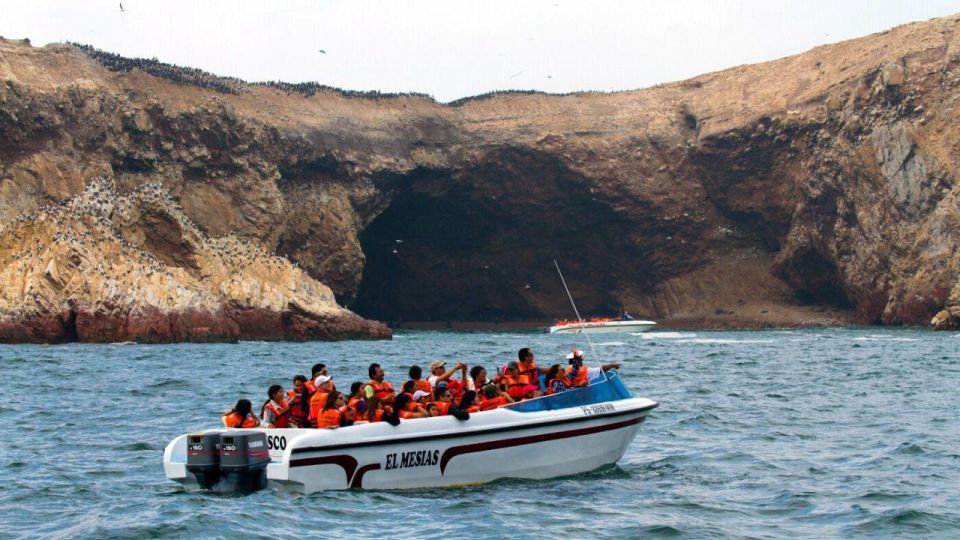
(275, 412)
(240, 416)
(329, 415)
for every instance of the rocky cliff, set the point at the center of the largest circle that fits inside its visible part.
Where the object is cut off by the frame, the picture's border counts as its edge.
(813, 189)
(105, 267)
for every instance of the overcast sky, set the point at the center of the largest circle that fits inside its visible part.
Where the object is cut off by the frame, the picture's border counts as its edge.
(451, 49)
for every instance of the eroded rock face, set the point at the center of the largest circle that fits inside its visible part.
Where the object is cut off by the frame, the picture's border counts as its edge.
(818, 188)
(106, 267)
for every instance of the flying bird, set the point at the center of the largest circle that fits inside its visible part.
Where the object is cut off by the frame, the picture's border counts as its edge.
(322, 51)
(517, 74)
(121, 7)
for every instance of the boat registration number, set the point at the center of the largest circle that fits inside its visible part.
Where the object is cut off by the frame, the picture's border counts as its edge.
(602, 408)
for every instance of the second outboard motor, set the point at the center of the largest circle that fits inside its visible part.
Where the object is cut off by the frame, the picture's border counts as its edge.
(203, 458)
(243, 460)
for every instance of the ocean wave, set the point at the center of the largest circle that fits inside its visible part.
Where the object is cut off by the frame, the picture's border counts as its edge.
(723, 341)
(664, 335)
(611, 344)
(881, 337)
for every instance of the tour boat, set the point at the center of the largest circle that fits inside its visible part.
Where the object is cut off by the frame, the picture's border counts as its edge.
(602, 326)
(563, 434)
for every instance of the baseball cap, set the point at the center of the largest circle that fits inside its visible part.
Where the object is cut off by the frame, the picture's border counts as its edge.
(436, 364)
(420, 394)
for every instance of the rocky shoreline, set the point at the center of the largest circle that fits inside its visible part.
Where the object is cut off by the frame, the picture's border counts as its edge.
(112, 267)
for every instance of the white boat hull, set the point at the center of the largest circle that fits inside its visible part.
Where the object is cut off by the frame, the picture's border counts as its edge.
(444, 451)
(608, 327)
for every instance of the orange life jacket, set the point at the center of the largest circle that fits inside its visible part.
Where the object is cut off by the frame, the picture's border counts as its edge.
(298, 417)
(317, 401)
(311, 387)
(328, 418)
(473, 409)
(424, 385)
(493, 403)
(233, 420)
(443, 407)
(515, 386)
(531, 372)
(281, 415)
(562, 378)
(580, 379)
(382, 390)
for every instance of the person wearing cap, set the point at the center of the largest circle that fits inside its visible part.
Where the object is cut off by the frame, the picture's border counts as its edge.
(514, 383)
(416, 375)
(420, 396)
(580, 375)
(438, 374)
(319, 398)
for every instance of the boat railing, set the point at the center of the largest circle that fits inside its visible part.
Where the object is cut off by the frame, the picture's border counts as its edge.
(609, 388)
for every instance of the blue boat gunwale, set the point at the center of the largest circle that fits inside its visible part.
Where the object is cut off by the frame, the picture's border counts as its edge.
(609, 388)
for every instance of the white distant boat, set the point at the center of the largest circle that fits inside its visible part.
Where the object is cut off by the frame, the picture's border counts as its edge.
(602, 326)
(567, 433)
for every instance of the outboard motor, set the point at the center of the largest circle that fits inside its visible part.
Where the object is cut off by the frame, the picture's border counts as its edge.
(203, 458)
(243, 460)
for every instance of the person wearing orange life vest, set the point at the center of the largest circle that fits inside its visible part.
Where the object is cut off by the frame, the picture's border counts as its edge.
(319, 398)
(442, 399)
(493, 398)
(528, 366)
(240, 416)
(329, 414)
(557, 380)
(513, 383)
(275, 412)
(416, 375)
(580, 375)
(469, 402)
(439, 374)
(298, 411)
(408, 409)
(378, 387)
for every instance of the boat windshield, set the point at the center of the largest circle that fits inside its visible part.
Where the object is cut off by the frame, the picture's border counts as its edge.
(599, 391)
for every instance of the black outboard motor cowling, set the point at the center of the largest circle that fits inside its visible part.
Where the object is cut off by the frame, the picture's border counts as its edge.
(203, 458)
(243, 460)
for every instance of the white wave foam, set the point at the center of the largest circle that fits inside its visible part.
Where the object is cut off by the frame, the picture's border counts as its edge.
(718, 341)
(611, 344)
(883, 338)
(664, 335)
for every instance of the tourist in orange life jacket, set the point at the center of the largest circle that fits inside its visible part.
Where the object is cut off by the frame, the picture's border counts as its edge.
(416, 375)
(378, 387)
(275, 412)
(316, 371)
(356, 394)
(240, 416)
(319, 398)
(329, 414)
(514, 383)
(557, 380)
(421, 397)
(493, 398)
(441, 396)
(528, 366)
(580, 375)
(373, 411)
(409, 387)
(298, 408)
(408, 409)
(432, 409)
(469, 402)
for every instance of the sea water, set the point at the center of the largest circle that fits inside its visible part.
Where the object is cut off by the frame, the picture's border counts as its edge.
(801, 433)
